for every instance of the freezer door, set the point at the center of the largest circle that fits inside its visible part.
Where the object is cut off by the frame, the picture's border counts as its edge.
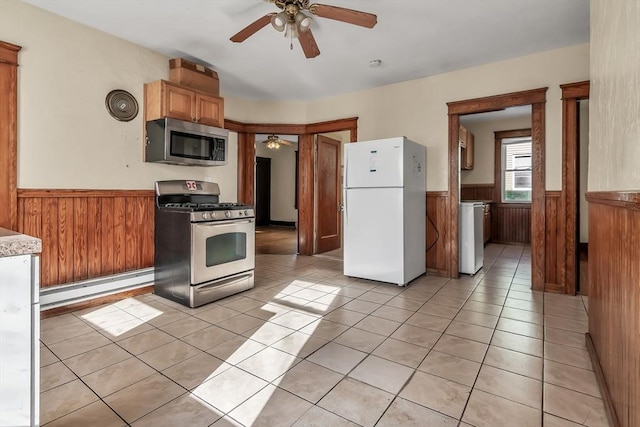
(373, 246)
(372, 164)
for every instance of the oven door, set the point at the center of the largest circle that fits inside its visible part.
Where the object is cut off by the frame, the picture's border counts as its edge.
(221, 248)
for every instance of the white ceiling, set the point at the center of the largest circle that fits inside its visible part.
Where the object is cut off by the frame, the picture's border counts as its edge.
(413, 38)
(506, 114)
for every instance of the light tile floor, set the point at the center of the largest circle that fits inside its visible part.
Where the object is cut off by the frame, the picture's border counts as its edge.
(310, 347)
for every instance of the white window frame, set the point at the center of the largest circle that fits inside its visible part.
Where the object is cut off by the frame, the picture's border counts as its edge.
(504, 171)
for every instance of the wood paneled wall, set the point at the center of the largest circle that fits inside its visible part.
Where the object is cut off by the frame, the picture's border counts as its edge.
(476, 192)
(437, 218)
(88, 233)
(511, 223)
(555, 242)
(614, 297)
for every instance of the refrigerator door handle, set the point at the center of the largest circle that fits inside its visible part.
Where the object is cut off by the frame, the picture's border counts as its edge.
(346, 170)
(345, 210)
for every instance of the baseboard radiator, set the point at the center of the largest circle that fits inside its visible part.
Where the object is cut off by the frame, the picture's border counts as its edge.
(58, 296)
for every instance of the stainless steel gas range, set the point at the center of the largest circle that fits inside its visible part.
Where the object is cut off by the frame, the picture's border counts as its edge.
(204, 249)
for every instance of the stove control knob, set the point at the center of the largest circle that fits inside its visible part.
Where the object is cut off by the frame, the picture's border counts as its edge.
(205, 215)
(227, 214)
(246, 213)
(240, 213)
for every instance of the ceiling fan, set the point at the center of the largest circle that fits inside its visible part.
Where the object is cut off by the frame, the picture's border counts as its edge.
(274, 142)
(295, 21)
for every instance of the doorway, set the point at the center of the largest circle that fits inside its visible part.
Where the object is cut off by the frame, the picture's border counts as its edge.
(536, 98)
(574, 150)
(306, 165)
(499, 172)
(263, 191)
(275, 193)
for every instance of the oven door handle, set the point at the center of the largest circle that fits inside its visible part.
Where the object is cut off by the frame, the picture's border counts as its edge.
(223, 223)
(210, 286)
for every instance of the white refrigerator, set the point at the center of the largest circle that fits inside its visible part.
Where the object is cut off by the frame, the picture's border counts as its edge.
(471, 242)
(385, 210)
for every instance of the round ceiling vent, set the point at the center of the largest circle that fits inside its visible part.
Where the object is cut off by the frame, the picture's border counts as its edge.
(121, 105)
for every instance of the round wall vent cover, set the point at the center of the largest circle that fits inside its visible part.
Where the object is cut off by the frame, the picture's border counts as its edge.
(121, 105)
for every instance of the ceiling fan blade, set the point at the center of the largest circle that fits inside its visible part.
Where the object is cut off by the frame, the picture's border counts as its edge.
(349, 16)
(308, 43)
(252, 28)
(287, 142)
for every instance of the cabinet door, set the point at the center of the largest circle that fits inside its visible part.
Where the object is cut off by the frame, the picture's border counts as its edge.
(209, 110)
(468, 161)
(462, 137)
(179, 103)
(487, 223)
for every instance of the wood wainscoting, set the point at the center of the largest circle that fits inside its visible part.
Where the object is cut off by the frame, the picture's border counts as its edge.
(476, 192)
(511, 223)
(437, 247)
(553, 280)
(88, 233)
(614, 297)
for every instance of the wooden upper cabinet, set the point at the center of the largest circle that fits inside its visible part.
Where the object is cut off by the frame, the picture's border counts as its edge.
(468, 159)
(463, 137)
(167, 99)
(467, 140)
(209, 110)
(178, 103)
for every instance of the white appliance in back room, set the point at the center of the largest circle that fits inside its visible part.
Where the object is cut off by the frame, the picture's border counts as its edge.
(471, 244)
(385, 210)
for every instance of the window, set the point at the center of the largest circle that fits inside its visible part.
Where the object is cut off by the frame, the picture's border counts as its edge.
(516, 170)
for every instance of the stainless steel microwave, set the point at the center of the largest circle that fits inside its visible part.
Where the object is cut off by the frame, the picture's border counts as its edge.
(180, 142)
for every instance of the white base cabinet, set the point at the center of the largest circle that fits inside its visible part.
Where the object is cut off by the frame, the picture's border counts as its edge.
(19, 341)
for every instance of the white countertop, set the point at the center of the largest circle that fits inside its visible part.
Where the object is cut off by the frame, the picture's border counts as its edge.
(13, 243)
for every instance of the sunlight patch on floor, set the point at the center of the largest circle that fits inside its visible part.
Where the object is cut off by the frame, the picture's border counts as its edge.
(253, 412)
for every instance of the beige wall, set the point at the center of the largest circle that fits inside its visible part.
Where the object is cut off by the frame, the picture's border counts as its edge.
(484, 147)
(68, 140)
(418, 108)
(614, 150)
(255, 111)
(283, 175)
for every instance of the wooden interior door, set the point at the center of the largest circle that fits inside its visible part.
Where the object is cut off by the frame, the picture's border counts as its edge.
(263, 191)
(328, 216)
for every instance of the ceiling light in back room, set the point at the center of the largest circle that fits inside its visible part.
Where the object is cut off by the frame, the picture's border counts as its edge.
(375, 63)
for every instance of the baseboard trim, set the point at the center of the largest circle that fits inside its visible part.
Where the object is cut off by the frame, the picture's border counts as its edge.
(95, 302)
(602, 384)
(291, 224)
(64, 295)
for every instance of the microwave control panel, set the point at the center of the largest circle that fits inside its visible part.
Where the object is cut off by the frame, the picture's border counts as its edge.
(217, 152)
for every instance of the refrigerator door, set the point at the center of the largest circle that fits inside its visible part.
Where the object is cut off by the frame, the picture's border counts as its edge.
(471, 244)
(373, 247)
(372, 164)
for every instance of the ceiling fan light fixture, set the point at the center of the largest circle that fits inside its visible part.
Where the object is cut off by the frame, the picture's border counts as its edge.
(279, 21)
(303, 21)
(291, 31)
